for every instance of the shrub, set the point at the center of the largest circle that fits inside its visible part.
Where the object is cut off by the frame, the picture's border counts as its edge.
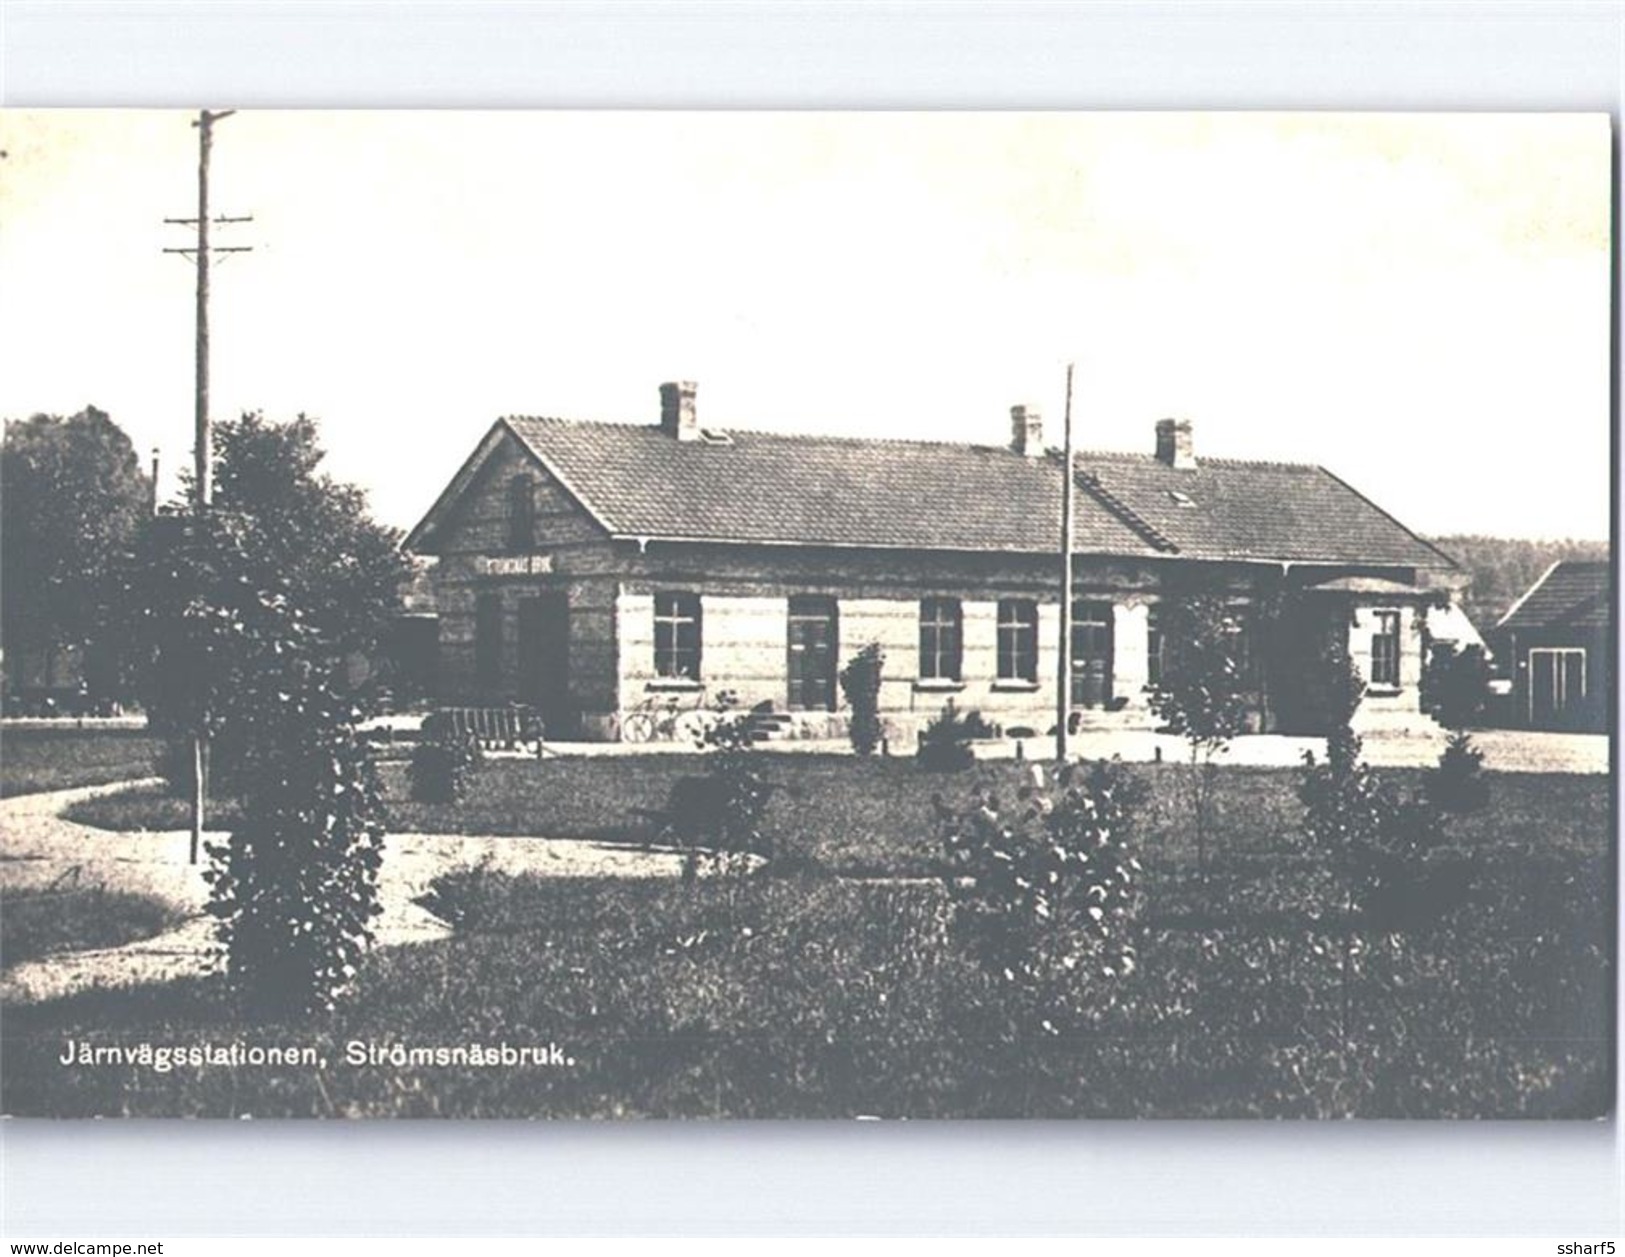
(1378, 842)
(724, 809)
(1042, 891)
(860, 681)
(472, 896)
(443, 762)
(945, 743)
(296, 888)
(1381, 853)
(1456, 685)
(1314, 684)
(1201, 692)
(1458, 784)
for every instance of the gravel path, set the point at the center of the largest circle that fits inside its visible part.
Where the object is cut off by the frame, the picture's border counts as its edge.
(38, 847)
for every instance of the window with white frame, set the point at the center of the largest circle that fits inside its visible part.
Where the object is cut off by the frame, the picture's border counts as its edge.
(1385, 649)
(941, 639)
(677, 636)
(1018, 640)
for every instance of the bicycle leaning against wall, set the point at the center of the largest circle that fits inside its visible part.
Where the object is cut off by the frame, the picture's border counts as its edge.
(669, 718)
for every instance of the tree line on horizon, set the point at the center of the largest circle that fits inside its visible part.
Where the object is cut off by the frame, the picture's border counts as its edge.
(1503, 568)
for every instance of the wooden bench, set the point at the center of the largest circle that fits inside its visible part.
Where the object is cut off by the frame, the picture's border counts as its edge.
(494, 728)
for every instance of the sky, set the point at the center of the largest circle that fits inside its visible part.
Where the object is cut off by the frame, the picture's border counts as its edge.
(1419, 303)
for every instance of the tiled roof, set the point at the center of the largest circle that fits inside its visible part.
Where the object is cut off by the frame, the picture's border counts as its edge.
(812, 490)
(761, 487)
(1225, 509)
(1572, 594)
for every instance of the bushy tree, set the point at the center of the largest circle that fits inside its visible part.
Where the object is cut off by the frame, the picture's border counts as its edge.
(860, 680)
(1201, 693)
(286, 529)
(945, 743)
(234, 658)
(1456, 685)
(296, 888)
(1315, 685)
(207, 616)
(719, 818)
(342, 567)
(1380, 848)
(73, 501)
(1042, 888)
(1458, 784)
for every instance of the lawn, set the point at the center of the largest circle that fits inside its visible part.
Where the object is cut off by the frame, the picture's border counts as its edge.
(41, 921)
(810, 995)
(35, 760)
(874, 817)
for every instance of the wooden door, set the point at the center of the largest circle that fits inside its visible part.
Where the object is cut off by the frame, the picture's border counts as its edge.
(1091, 654)
(812, 645)
(544, 657)
(1557, 687)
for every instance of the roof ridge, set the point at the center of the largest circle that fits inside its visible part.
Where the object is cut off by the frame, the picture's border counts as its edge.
(834, 438)
(1137, 457)
(1127, 514)
(932, 442)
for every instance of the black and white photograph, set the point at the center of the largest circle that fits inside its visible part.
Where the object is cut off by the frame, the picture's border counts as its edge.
(806, 615)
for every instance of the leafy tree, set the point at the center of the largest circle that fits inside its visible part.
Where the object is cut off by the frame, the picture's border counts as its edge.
(233, 657)
(1456, 685)
(340, 566)
(277, 524)
(1314, 683)
(73, 500)
(1201, 693)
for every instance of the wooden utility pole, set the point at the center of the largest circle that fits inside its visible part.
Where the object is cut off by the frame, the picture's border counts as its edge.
(202, 450)
(1063, 669)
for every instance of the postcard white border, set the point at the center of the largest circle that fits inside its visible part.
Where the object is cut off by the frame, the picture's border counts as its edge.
(286, 1179)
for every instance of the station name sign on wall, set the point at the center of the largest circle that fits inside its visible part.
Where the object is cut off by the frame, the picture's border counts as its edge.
(513, 564)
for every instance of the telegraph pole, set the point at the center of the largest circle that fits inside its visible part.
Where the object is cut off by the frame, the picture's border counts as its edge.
(202, 450)
(1063, 687)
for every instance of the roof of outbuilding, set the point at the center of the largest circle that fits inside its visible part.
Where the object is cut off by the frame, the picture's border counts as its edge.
(767, 488)
(1572, 593)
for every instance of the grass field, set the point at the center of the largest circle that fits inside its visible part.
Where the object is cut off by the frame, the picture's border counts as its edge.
(813, 995)
(873, 817)
(40, 921)
(36, 760)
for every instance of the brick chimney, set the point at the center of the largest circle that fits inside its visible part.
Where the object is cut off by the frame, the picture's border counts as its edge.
(1027, 431)
(678, 417)
(1174, 445)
